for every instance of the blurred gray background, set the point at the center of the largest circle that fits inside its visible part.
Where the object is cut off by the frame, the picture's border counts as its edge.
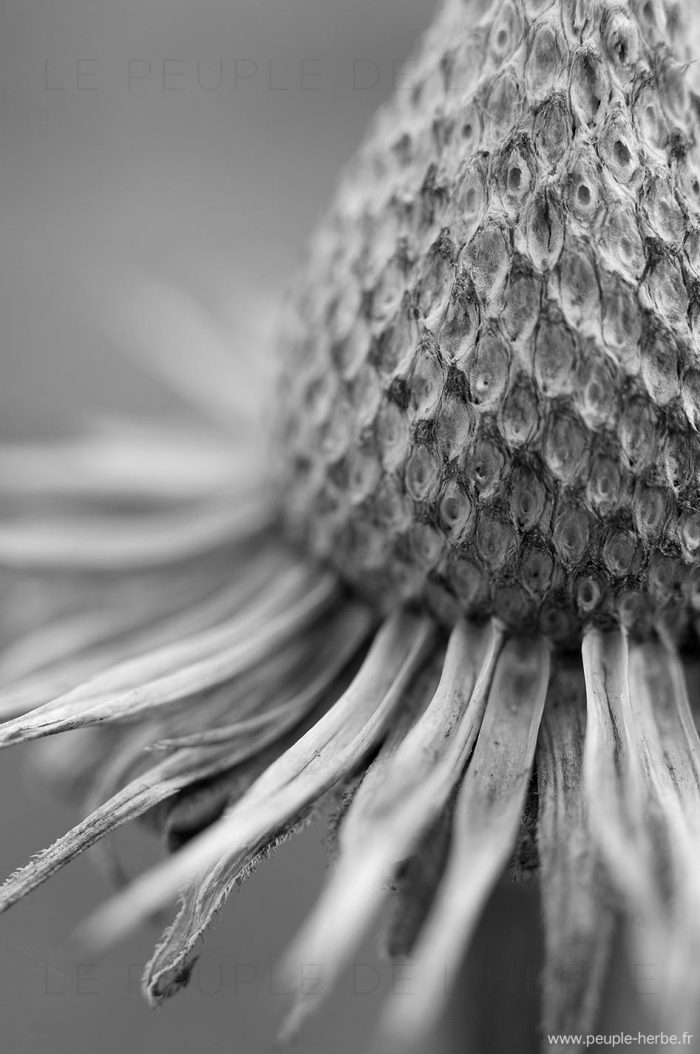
(205, 170)
(173, 138)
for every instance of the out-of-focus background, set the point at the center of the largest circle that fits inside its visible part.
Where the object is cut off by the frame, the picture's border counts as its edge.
(192, 143)
(192, 140)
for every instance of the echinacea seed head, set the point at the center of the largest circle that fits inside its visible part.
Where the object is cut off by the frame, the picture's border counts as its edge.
(489, 415)
(511, 268)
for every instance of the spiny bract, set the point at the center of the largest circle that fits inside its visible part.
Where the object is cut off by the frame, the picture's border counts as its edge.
(494, 359)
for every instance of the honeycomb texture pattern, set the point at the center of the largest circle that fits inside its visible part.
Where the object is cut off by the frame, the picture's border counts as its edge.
(491, 381)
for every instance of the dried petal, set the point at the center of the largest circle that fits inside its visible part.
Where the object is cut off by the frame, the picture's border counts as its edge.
(190, 764)
(113, 543)
(485, 829)
(331, 749)
(642, 783)
(199, 662)
(401, 797)
(576, 900)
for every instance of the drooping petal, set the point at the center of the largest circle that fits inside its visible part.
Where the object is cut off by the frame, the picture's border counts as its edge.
(672, 748)
(200, 662)
(402, 795)
(188, 765)
(68, 652)
(341, 640)
(117, 543)
(641, 781)
(485, 827)
(152, 465)
(613, 772)
(577, 903)
(330, 750)
(206, 894)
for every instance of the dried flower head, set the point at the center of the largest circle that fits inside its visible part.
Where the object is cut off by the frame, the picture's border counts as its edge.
(460, 593)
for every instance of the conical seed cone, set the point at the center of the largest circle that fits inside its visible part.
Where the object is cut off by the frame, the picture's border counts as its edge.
(492, 388)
